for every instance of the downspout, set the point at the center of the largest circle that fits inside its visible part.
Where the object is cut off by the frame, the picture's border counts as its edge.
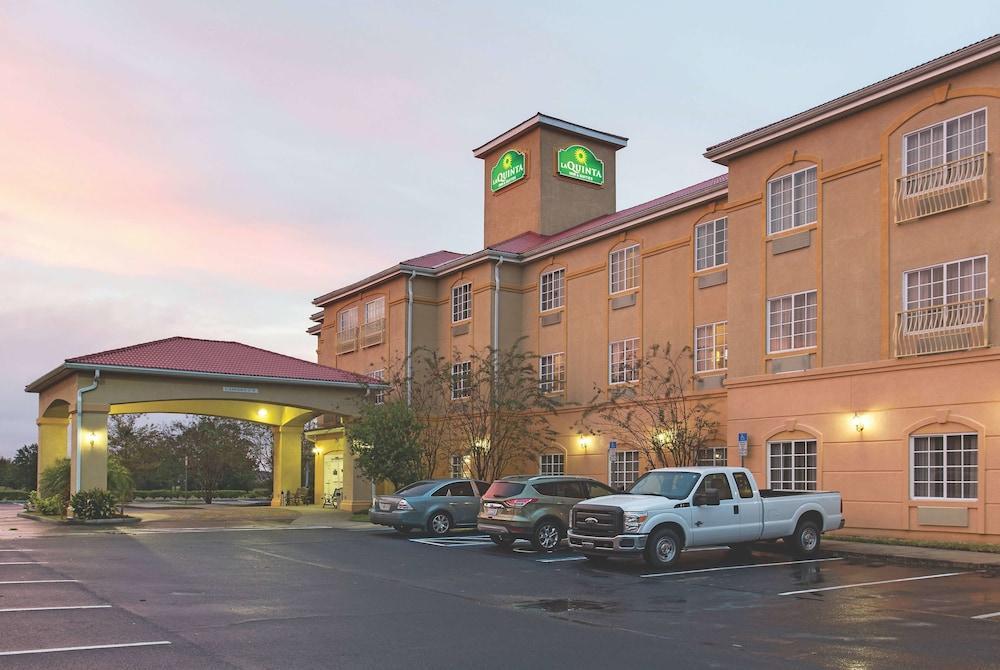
(409, 337)
(496, 314)
(79, 424)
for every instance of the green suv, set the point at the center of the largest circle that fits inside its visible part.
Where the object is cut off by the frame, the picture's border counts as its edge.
(534, 507)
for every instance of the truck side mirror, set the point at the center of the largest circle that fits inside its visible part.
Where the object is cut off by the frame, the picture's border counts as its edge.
(708, 497)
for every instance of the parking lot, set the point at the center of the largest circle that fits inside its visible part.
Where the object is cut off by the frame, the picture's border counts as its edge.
(277, 597)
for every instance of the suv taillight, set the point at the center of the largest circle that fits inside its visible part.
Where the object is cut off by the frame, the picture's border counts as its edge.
(519, 502)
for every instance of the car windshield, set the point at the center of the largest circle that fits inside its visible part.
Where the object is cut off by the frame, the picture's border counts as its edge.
(416, 489)
(673, 485)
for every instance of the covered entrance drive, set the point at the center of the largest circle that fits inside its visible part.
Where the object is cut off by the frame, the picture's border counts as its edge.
(190, 376)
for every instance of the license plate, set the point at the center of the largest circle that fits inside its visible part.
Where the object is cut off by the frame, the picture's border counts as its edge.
(384, 506)
(491, 512)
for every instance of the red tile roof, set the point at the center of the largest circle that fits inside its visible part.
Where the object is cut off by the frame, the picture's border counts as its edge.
(433, 259)
(185, 354)
(527, 242)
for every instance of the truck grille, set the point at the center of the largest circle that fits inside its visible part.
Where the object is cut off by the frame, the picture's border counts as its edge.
(597, 520)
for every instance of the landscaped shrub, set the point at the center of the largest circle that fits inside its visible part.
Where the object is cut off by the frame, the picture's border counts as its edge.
(94, 504)
(261, 493)
(51, 506)
(120, 480)
(11, 494)
(225, 493)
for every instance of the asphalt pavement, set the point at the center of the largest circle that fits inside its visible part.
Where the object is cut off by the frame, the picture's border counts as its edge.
(354, 596)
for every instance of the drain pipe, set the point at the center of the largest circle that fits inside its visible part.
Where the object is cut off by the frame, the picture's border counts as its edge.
(496, 315)
(409, 337)
(79, 424)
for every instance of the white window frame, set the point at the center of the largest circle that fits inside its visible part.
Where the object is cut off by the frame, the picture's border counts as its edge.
(799, 204)
(461, 302)
(944, 158)
(552, 290)
(375, 310)
(707, 245)
(351, 316)
(793, 481)
(460, 373)
(715, 460)
(552, 464)
(804, 330)
(628, 351)
(552, 372)
(459, 461)
(708, 335)
(625, 465)
(946, 297)
(379, 396)
(945, 466)
(623, 269)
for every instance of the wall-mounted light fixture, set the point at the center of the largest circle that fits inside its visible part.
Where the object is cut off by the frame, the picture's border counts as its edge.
(261, 413)
(92, 437)
(859, 421)
(584, 441)
(317, 451)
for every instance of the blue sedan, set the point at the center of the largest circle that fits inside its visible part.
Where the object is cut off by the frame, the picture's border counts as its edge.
(436, 506)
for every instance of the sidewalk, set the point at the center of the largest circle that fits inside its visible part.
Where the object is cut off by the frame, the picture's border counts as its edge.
(916, 556)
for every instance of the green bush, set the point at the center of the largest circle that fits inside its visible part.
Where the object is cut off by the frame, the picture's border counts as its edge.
(224, 493)
(55, 481)
(11, 494)
(94, 504)
(261, 493)
(51, 506)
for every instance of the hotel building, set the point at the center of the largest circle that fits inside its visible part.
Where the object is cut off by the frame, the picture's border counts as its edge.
(834, 283)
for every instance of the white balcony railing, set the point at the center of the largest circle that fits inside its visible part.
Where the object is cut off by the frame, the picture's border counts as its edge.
(372, 333)
(949, 186)
(347, 340)
(940, 328)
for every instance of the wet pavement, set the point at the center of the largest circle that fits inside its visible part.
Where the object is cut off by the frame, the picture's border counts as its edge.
(356, 596)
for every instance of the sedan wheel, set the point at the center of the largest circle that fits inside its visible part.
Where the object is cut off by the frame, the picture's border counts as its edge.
(439, 524)
(547, 536)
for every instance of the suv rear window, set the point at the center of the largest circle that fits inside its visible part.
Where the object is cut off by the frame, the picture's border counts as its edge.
(502, 489)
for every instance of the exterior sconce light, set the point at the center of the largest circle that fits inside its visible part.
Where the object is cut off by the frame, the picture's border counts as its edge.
(858, 422)
(92, 437)
(261, 413)
(584, 441)
(316, 451)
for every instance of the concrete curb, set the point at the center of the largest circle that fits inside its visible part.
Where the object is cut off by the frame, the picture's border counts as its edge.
(126, 521)
(915, 556)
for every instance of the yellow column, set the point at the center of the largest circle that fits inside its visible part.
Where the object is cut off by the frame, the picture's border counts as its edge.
(89, 450)
(53, 440)
(319, 483)
(287, 461)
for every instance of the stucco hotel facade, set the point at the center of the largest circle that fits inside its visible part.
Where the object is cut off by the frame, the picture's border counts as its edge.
(835, 284)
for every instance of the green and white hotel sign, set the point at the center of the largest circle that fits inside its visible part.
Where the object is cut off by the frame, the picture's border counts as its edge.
(509, 169)
(579, 162)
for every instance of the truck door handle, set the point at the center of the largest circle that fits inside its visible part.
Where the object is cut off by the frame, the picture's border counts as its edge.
(736, 509)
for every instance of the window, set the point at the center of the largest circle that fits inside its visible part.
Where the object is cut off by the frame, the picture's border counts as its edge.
(792, 465)
(717, 481)
(624, 273)
(597, 489)
(625, 469)
(482, 486)
(379, 375)
(551, 464)
(944, 142)
(710, 349)
(945, 466)
(457, 466)
(550, 289)
(347, 322)
(623, 361)
(461, 302)
(711, 244)
(791, 201)
(375, 310)
(791, 322)
(945, 284)
(712, 456)
(552, 373)
(743, 484)
(463, 489)
(460, 373)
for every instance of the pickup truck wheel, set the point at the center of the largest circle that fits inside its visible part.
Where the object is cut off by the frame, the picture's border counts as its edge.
(806, 539)
(502, 541)
(547, 535)
(663, 548)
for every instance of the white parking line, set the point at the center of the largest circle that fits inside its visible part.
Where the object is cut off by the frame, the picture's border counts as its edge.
(740, 567)
(47, 609)
(987, 616)
(16, 549)
(887, 581)
(53, 650)
(24, 563)
(40, 581)
(558, 560)
(467, 541)
(220, 529)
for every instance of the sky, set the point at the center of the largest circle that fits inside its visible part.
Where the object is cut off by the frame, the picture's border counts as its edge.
(207, 169)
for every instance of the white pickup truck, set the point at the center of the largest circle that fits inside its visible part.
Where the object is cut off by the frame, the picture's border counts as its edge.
(669, 509)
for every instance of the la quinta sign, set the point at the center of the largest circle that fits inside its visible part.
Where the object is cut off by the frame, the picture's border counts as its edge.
(509, 169)
(579, 162)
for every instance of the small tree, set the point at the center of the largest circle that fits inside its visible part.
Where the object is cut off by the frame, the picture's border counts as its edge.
(55, 481)
(216, 450)
(24, 467)
(120, 482)
(656, 415)
(497, 414)
(385, 440)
